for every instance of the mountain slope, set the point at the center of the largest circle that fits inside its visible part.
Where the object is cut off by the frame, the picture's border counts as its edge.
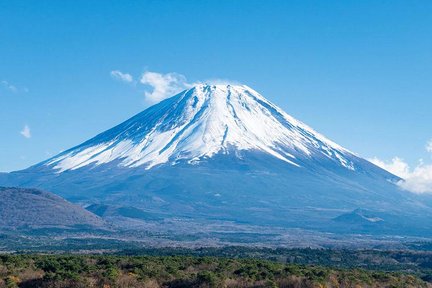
(224, 153)
(31, 208)
(200, 123)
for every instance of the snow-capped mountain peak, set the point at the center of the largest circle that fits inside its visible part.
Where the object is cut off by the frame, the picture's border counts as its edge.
(199, 123)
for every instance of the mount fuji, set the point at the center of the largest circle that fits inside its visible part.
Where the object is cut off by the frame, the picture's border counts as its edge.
(224, 153)
(199, 124)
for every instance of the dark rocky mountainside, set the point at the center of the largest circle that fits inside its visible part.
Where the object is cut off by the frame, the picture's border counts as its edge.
(31, 208)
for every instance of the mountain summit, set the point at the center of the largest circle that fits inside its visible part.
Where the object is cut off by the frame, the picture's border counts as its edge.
(200, 123)
(218, 154)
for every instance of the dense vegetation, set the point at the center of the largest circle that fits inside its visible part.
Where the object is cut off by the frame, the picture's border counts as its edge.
(184, 271)
(396, 260)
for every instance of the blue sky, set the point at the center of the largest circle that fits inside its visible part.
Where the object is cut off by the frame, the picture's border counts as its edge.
(359, 72)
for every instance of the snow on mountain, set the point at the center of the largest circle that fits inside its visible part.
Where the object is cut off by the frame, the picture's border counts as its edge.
(199, 123)
(225, 153)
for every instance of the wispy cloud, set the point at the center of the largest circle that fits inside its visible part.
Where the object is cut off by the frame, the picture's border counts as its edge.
(118, 75)
(158, 86)
(416, 180)
(169, 84)
(219, 81)
(8, 86)
(163, 85)
(396, 166)
(429, 146)
(12, 88)
(25, 132)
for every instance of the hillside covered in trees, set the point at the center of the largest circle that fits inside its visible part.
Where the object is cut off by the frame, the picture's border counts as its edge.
(184, 271)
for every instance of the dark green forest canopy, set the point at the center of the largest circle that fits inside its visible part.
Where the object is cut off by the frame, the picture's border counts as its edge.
(187, 271)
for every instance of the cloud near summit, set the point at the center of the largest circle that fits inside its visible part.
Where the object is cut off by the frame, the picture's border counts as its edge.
(166, 85)
(163, 85)
(159, 86)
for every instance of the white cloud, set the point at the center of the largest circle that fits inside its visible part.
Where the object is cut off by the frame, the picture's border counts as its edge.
(167, 85)
(219, 81)
(163, 85)
(9, 86)
(417, 180)
(420, 180)
(118, 75)
(396, 166)
(429, 146)
(160, 86)
(26, 132)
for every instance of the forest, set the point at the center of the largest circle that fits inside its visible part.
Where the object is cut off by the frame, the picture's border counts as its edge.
(68, 270)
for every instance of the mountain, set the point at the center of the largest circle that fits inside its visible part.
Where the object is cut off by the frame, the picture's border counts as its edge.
(225, 154)
(23, 209)
(200, 123)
